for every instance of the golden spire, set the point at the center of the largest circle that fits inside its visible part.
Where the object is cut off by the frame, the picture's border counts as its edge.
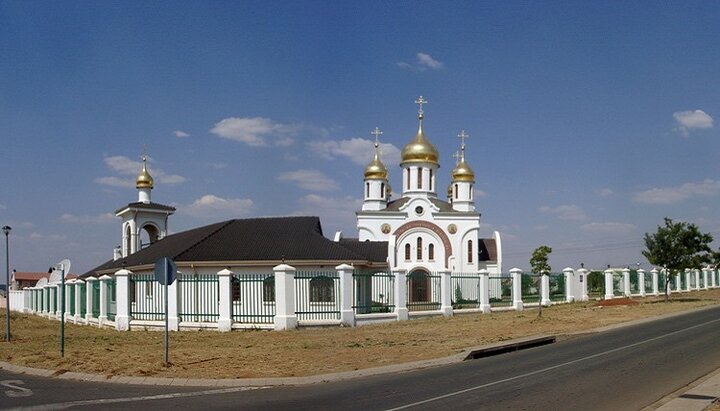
(144, 179)
(420, 149)
(376, 169)
(462, 171)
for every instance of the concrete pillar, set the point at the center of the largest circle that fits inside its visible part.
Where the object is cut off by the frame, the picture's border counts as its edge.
(569, 284)
(59, 300)
(401, 310)
(641, 281)
(285, 318)
(225, 306)
(678, 283)
(122, 300)
(104, 300)
(446, 293)
(484, 291)
(545, 297)
(517, 301)
(698, 286)
(347, 314)
(626, 282)
(688, 277)
(79, 286)
(609, 293)
(173, 299)
(582, 284)
(89, 297)
(655, 289)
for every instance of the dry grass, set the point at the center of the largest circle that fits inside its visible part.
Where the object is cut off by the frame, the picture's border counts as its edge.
(241, 354)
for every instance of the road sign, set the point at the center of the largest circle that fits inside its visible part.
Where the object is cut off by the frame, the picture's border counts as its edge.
(165, 271)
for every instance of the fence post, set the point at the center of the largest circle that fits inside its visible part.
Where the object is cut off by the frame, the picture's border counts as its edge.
(626, 282)
(705, 279)
(285, 318)
(569, 284)
(79, 284)
(516, 275)
(545, 298)
(641, 281)
(225, 306)
(446, 293)
(88, 297)
(655, 287)
(103, 298)
(582, 281)
(122, 315)
(347, 315)
(697, 279)
(484, 291)
(58, 301)
(688, 276)
(173, 299)
(401, 310)
(69, 284)
(609, 287)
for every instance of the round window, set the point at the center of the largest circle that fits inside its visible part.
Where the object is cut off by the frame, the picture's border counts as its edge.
(419, 210)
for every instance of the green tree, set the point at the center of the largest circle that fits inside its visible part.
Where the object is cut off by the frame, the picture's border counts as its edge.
(539, 265)
(677, 246)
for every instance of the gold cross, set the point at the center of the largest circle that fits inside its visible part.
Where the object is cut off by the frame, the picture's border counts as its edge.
(420, 101)
(377, 134)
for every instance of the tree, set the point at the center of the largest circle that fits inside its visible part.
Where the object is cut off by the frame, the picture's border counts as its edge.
(539, 265)
(677, 246)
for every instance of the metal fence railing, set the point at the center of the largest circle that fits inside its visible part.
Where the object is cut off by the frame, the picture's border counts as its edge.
(317, 295)
(199, 298)
(147, 298)
(95, 299)
(465, 290)
(557, 287)
(253, 298)
(618, 284)
(530, 288)
(112, 300)
(373, 292)
(423, 291)
(500, 291)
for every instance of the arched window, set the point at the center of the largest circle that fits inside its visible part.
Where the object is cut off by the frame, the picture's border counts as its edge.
(322, 290)
(419, 248)
(431, 180)
(128, 241)
(407, 252)
(456, 191)
(382, 190)
(407, 172)
(419, 179)
(470, 251)
(269, 289)
(431, 252)
(367, 190)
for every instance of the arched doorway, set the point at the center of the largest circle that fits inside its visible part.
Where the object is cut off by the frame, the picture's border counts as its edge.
(419, 286)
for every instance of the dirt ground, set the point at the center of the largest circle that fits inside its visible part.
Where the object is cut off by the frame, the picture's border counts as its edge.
(242, 354)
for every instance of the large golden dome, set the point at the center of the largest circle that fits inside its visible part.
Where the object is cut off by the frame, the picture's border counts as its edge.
(376, 169)
(144, 179)
(420, 149)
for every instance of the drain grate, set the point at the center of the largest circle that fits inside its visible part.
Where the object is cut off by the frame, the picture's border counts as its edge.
(510, 347)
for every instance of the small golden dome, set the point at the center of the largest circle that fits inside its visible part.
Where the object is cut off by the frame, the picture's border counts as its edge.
(462, 171)
(376, 169)
(420, 149)
(144, 179)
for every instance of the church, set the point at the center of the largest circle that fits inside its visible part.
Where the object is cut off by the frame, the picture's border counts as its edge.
(418, 232)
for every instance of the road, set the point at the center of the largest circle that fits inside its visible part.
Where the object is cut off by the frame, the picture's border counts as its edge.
(623, 369)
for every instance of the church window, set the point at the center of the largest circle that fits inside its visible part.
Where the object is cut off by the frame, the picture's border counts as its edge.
(269, 289)
(432, 187)
(431, 252)
(322, 290)
(367, 190)
(407, 252)
(419, 248)
(470, 251)
(471, 192)
(235, 286)
(456, 191)
(407, 172)
(419, 178)
(382, 190)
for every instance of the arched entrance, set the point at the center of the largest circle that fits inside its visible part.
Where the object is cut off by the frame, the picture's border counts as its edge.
(419, 286)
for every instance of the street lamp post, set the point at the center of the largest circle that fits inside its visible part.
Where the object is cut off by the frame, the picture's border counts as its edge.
(6, 230)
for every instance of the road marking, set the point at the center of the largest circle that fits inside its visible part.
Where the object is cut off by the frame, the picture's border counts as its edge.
(19, 391)
(100, 401)
(554, 367)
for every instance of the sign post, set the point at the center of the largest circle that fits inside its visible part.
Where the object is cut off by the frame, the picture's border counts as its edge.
(165, 272)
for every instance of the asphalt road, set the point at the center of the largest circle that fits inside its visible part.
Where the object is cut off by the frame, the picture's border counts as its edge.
(623, 369)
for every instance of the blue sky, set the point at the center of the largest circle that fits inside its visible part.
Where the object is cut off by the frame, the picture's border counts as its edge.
(589, 121)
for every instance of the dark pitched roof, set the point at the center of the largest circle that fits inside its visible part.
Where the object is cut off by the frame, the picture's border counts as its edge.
(148, 206)
(376, 251)
(255, 239)
(487, 250)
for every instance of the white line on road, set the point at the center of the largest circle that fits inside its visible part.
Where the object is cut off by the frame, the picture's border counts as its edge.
(565, 364)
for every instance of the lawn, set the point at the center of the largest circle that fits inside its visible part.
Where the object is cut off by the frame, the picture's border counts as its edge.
(243, 354)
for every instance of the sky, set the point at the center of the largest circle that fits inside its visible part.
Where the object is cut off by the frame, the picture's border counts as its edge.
(589, 122)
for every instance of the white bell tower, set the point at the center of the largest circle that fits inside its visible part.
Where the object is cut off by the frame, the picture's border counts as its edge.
(377, 188)
(463, 179)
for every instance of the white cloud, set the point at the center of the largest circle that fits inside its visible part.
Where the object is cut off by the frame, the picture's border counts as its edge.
(672, 195)
(309, 180)
(359, 151)
(692, 119)
(608, 227)
(180, 134)
(255, 131)
(606, 192)
(211, 206)
(336, 213)
(129, 169)
(565, 212)
(423, 62)
(90, 219)
(50, 237)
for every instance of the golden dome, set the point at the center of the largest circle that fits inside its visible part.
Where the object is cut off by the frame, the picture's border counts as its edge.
(420, 149)
(462, 171)
(144, 179)
(376, 169)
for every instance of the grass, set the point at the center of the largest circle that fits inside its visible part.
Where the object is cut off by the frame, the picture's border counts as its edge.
(244, 354)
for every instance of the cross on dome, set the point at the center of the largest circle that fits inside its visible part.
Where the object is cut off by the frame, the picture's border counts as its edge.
(456, 156)
(377, 134)
(420, 101)
(463, 135)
